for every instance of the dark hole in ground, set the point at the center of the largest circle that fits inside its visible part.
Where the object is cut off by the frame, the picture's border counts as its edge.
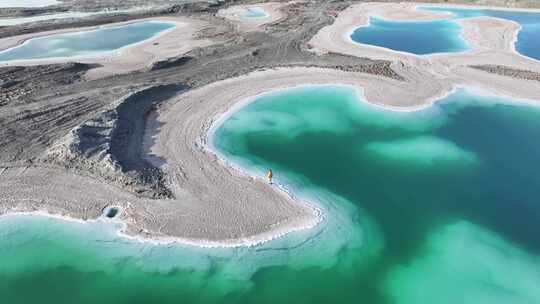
(112, 212)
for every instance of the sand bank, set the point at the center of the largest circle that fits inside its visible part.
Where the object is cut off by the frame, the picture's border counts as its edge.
(172, 42)
(55, 193)
(236, 14)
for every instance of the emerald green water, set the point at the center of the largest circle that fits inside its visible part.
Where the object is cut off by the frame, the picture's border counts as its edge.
(433, 206)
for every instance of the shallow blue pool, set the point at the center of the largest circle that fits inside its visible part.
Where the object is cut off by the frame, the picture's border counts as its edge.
(85, 43)
(254, 12)
(421, 38)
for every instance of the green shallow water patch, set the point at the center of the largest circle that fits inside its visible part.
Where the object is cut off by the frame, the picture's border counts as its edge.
(422, 151)
(463, 263)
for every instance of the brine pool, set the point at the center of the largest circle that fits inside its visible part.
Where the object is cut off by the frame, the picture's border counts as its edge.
(85, 43)
(433, 206)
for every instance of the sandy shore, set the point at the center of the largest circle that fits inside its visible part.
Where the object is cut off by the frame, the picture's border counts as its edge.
(236, 15)
(53, 192)
(216, 204)
(172, 42)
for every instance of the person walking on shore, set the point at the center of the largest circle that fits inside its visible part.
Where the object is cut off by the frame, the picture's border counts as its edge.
(269, 175)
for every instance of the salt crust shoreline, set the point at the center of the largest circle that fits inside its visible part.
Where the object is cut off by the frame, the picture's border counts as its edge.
(425, 83)
(221, 117)
(121, 232)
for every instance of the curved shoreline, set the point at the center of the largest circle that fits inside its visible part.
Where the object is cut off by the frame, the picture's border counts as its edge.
(204, 108)
(246, 89)
(218, 120)
(121, 232)
(269, 235)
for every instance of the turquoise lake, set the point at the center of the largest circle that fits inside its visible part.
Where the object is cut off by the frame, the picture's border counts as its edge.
(421, 38)
(86, 42)
(442, 36)
(433, 206)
